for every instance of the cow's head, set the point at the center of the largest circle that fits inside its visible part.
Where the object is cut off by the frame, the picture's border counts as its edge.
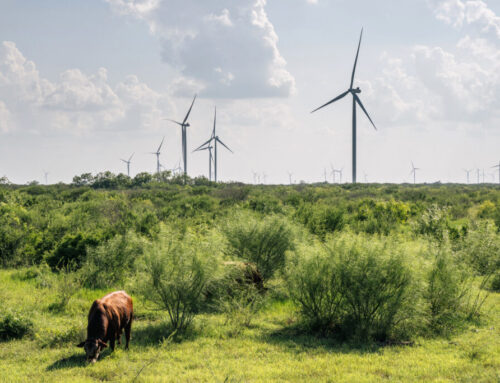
(93, 348)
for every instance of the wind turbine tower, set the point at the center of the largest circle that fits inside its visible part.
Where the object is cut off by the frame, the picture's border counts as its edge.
(414, 171)
(355, 102)
(497, 166)
(46, 175)
(215, 140)
(184, 125)
(128, 163)
(290, 175)
(468, 174)
(157, 154)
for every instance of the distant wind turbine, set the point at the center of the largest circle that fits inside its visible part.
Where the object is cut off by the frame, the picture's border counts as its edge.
(497, 166)
(184, 125)
(325, 174)
(468, 173)
(215, 140)
(128, 163)
(414, 171)
(355, 101)
(157, 154)
(210, 159)
(46, 174)
(478, 176)
(290, 175)
(333, 172)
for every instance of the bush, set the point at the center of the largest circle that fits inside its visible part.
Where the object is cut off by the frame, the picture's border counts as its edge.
(13, 326)
(355, 289)
(445, 293)
(263, 242)
(495, 282)
(178, 268)
(320, 219)
(72, 251)
(481, 248)
(111, 263)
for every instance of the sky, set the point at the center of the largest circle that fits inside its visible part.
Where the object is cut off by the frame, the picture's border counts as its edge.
(85, 83)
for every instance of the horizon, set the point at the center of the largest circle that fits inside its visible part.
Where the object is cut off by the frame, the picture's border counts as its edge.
(83, 85)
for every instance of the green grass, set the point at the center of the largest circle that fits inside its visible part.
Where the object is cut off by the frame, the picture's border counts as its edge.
(216, 351)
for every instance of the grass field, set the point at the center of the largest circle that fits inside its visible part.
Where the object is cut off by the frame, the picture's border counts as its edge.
(215, 350)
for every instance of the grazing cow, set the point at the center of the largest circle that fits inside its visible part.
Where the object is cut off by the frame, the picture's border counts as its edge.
(246, 273)
(108, 317)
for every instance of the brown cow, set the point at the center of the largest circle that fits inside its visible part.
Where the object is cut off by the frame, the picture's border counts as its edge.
(108, 317)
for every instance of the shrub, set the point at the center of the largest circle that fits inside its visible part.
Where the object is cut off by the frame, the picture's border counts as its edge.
(495, 282)
(111, 263)
(314, 286)
(72, 250)
(262, 242)
(321, 219)
(445, 293)
(481, 248)
(67, 285)
(357, 289)
(13, 326)
(178, 268)
(433, 223)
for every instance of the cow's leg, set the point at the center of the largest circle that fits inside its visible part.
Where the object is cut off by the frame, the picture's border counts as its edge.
(112, 343)
(128, 329)
(119, 337)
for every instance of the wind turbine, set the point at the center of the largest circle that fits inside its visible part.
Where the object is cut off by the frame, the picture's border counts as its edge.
(414, 171)
(210, 159)
(497, 166)
(478, 180)
(355, 101)
(325, 174)
(290, 175)
(157, 153)
(468, 173)
(215, 139)
(128, 163)
(333, 171)
(264, 178)
(340, 174)
(46, 174)
(184, 125)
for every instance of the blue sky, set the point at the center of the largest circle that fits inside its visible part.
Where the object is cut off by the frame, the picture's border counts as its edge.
(84, 83)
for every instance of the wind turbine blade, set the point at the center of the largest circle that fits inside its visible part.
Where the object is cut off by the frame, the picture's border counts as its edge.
(189, 111)
(358, 100)
(158, 151)
(332, 101)
(202, 145)
(496, 166)
(223, 144)
(175, 122)
(356, 61)
(123, 160)
(215, 122)
(130, 159)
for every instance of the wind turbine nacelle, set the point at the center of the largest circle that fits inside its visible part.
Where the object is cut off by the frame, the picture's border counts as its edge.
(357, 90)
(187, 125)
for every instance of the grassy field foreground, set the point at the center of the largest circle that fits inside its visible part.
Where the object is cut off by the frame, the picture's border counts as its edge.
(216, 350)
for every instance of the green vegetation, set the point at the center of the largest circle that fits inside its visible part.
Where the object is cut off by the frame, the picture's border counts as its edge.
(252, 283)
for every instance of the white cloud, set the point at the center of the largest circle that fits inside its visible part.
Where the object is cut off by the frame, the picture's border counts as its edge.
(459, 86)
(5, 118)
(224, 49)
(77, 102)
(474, 13)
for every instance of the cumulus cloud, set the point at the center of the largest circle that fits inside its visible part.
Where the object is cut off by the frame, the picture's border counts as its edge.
(462, 13)
(76, 101)
(226, 49)
(459, 86)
